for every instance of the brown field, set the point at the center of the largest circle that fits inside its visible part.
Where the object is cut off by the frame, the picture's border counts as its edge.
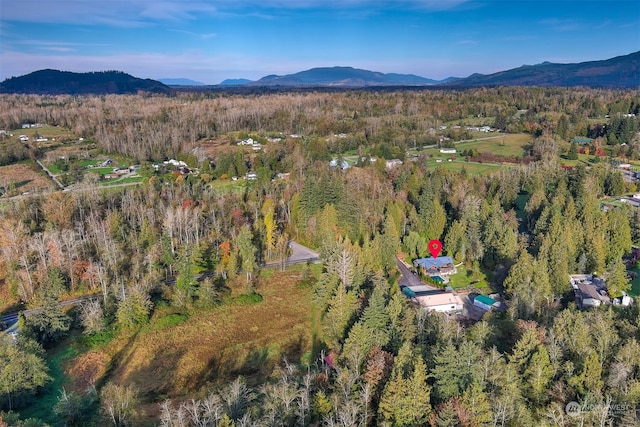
(212, 147)
(26, 178)
(74, 150)
(210, 348)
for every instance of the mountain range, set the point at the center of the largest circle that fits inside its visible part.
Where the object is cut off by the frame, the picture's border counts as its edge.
(54, 82)
(621, 72)
(180, 82)
(342, 77)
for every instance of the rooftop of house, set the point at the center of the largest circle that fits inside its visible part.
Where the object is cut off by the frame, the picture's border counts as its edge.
(444, 298)
(430, 262)
(586, 287)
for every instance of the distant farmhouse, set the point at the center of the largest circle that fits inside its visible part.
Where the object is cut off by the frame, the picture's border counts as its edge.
(333, 164)
(255, 145)
(390, 164)
(437, 268)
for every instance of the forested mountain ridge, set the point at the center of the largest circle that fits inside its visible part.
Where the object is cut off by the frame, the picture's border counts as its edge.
(54, 82)
(342, 77)
(231, 350)
(621, 72)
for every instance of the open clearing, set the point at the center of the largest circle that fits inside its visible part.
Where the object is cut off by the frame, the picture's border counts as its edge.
(500, 144)
(207, 347)
(25, 177)
(46, 131)
(472, 168)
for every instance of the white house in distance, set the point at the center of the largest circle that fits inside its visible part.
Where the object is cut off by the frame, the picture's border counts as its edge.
(390, 164)
(448, 150)
(441, 302)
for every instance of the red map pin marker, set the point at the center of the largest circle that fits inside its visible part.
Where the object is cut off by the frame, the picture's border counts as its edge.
(435, 247)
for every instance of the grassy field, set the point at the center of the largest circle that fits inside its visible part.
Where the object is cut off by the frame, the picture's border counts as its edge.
(118, 181)
(187, 353)
(25, 176)
(229, 186)
(47, 131)
(500, 144)
(472, 121)
(466, 277)
(635, 283)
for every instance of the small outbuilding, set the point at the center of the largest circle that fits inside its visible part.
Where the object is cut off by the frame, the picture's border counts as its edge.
(484, 302)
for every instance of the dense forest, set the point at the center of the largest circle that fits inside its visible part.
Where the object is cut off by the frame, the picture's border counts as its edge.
(376, 358)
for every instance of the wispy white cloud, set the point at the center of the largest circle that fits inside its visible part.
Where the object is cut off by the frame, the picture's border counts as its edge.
(201, 36)
(135, 13)
(562, 24)
(119, 13)
(633, 24)
(55, 45)
(175, 10)
(467, 42)
(60, 49)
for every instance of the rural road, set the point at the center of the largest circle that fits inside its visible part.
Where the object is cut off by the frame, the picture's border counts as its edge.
(301, 253)
(70, 189)
(48, 172)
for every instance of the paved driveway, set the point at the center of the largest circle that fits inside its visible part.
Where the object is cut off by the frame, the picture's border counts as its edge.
(410, 279)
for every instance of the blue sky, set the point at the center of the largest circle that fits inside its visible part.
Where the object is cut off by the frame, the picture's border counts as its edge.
(212, 40)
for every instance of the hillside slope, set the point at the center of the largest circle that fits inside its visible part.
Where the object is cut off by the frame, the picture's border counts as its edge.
(54, 82)
(621, 72)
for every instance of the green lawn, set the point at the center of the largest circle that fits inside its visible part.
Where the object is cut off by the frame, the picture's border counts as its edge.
(54, 169)
(101, 171)
(466, 277)
(109, 182)
(495, 143)
(228, 185)
(635, 283)
(47, 132)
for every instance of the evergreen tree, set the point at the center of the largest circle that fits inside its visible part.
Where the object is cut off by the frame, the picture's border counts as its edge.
(47, 324)
(405, 400)
(476, 404)
(23, 370)
(616, 278)
(619, 232)
(573, 151)
(539, 374)
(338, 316)
(589, 379)
(455, 369)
